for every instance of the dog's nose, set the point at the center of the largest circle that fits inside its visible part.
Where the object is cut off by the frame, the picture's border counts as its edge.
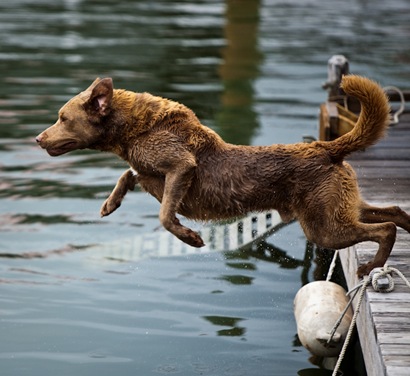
(38, 139)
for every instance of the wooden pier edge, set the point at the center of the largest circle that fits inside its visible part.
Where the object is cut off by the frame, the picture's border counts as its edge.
(383, 323)
(365, 324)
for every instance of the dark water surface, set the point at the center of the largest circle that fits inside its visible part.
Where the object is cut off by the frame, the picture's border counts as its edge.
(251, 70)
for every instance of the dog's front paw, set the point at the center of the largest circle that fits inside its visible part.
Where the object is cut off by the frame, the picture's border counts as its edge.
(109, 206)
(192, 238)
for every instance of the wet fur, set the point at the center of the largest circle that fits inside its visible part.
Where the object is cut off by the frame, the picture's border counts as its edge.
(189, 168)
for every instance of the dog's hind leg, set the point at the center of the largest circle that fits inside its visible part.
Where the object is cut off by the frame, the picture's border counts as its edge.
(385, 235)
(125, 183)
(338, 235)
(372, 214)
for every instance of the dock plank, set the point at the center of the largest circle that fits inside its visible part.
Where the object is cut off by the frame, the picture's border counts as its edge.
(383, 323)
(398, 371)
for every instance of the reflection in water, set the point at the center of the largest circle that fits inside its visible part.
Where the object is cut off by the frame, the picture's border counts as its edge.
(42, 255)
(255, 232)
(261, 249)
(22, 187)
(237, 119)
(241, 265)
(43, 219)
(233, 331)
(237, 279)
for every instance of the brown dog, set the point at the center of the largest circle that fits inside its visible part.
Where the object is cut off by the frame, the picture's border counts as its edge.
(192, 171)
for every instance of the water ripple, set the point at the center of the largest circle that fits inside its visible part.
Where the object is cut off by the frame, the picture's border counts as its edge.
(76, 358)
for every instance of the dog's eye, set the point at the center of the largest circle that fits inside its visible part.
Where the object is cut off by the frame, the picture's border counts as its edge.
(63, 119)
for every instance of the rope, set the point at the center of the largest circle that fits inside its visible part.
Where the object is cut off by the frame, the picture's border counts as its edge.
(377, 278)
(381, 278)
(401, 275)
(339, 320)
(365, 283)
(332, 266)
(395, 117)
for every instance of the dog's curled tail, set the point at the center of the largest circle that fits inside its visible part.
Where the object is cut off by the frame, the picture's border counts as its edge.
(373, 120)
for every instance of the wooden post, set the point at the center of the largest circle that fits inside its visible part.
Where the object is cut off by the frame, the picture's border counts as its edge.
(338, 114)
(337, 67)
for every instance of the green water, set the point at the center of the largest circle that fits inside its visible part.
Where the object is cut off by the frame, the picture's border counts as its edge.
(251, 70)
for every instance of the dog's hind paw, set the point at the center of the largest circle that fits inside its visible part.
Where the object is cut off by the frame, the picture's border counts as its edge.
(365, 269)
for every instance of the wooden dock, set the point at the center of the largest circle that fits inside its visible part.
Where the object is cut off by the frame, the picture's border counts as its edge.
(384, 319)
(383, 172)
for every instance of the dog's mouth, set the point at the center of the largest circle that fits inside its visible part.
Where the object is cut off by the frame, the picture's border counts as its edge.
(62, 149)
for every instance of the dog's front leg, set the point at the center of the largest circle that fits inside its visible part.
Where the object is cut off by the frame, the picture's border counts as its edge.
(125, 183)
(166, 155)
(177, 183)
(178, 179)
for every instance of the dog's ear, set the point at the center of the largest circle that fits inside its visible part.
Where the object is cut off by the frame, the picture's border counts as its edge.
(101, 96)
(95, 82)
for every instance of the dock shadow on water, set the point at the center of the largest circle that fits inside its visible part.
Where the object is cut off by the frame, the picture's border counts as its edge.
(81, 295)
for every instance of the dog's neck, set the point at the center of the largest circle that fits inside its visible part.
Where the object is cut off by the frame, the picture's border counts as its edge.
(133, 114)
(115, 126)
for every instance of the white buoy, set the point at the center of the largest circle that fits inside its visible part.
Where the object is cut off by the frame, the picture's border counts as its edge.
(317, 307)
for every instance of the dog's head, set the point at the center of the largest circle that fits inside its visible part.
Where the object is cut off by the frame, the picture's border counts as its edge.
(79, 120)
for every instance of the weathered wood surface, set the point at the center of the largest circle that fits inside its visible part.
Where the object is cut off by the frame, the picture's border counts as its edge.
(384, 319)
